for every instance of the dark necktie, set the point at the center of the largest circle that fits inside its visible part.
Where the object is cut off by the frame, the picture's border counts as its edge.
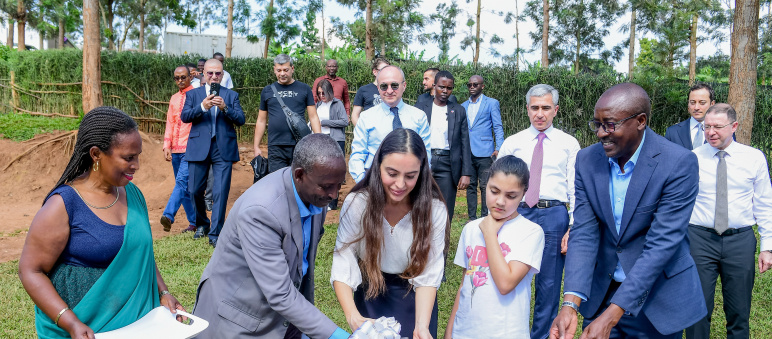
(532, 195)
(396, 123)
(721, 221)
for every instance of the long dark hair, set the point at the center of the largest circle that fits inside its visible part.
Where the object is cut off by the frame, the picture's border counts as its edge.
(407, 142)
(99, 128)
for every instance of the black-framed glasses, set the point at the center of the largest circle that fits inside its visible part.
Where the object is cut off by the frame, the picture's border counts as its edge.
(214, 73)
(609, 126)
(716, 127)
(385, 86)
(180, 78)
(473, 85)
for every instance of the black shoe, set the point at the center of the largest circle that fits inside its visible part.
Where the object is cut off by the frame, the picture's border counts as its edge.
(209, 205)
(167, 224)
(213, 242)
(200, 232)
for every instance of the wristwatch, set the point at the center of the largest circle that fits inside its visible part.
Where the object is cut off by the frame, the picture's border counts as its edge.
(571, 305)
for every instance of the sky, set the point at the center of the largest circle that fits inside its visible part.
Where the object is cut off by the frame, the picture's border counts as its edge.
(492, 23)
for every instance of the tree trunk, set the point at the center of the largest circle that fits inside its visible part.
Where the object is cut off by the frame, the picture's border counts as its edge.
(110, 17)
(41, 38)
(631, 52)
(517, 38)
(477, 35)
(21, 13)
(229, 39)
(693, 51)
(545, 35)
(742, 69)
(9, 39)
(578, 51)
(125, 33)
(268, 36)
(369, 48)
(323, 42)
(142, 30)
(60, 41)
(383, 48)
(92, 68)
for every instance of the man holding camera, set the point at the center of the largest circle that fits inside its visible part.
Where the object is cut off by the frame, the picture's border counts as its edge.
(213, 111)
(296, 97)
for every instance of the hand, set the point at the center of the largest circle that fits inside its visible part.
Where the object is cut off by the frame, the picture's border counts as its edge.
(220, 103)
(463, 183)
(170, 302)
(355, 321)
(564, 243)
(208, 102)
(564, 325)
(167, 154)
(422, 333)
(495, 154)
(601, 326)
(79, 330)
(258, 151)
(765, 261)
(489, 225)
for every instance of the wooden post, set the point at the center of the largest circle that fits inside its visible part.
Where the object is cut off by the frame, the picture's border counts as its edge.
(14, 94)
(92, 66)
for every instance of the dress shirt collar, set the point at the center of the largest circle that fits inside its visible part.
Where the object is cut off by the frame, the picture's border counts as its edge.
(305, 211)
(732, 148)
(473, 102)
(386, 108)
(693, 123)
(633, 160)
(535, 132)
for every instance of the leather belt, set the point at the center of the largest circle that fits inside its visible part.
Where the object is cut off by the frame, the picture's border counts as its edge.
(545, 204)
(730, 231)
(440, 152)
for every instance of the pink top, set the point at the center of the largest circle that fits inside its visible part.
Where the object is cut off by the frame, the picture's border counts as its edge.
(176, 135)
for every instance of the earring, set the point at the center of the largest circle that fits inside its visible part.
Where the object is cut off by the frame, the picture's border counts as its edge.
(95, 167)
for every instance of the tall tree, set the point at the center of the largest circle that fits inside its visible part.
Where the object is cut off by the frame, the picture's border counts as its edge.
(92, 67)
(65, 15)
(21, 21)
(310, 35)
(545, 35)
(446, 17)
(278, 22)
(229, 39)
(742, 70)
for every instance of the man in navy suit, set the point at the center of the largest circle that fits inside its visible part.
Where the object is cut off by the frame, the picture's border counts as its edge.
(486, 135)
(628, 267)
(690, 132)
(212, 141)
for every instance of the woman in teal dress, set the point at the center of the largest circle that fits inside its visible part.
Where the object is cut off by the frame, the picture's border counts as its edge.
(88, 261)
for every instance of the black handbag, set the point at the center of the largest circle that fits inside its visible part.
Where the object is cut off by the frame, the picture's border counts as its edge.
(297, 122)
(260, 167)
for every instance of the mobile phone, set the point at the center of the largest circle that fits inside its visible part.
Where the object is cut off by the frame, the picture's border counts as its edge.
(214, 89)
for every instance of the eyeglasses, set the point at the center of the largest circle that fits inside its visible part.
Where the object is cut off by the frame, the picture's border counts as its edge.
(709, 127)
(385, 86)
(473, 84)
(214, 73)
(180, 78)
(609, 126)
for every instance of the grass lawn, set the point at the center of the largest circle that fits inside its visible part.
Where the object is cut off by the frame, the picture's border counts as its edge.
(182, 259)
(20, 127)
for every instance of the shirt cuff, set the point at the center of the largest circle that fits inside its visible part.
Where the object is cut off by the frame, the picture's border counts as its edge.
(339, 334)
(577, 294)
(202, 108)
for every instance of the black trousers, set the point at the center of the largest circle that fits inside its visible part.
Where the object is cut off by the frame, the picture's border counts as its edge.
(733, 257)
(279, 156)
(441, 171)
(480, 174)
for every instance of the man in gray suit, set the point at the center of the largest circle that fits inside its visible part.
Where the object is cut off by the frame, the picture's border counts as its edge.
(260, 279)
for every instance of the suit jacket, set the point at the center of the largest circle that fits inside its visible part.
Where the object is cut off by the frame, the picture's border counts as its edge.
(253, 285)
(680, 134)
(427, 97)
(488, 118)
(652, 244)
(458, 138)
(201, 130)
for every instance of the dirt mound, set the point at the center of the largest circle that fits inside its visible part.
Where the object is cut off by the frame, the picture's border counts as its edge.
(24, 185)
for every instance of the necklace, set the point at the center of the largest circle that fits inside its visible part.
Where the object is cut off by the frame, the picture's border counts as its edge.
(117, 196)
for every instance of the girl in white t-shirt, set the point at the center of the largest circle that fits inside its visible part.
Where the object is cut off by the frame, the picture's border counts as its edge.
(500, 254)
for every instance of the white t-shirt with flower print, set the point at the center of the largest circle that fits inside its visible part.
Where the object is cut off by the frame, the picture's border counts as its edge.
(483, 312)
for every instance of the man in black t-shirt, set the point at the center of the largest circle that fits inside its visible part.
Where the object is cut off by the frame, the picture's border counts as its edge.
(298, 98)
(368, 95)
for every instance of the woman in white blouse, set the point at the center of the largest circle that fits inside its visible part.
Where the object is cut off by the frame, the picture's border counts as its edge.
(388, 258)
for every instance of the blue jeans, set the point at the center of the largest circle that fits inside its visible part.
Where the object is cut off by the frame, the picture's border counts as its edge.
(180, 195)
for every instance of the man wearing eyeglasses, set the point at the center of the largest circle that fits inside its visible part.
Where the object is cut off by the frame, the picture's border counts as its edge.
(451, 160)
(212, 141)
(735, 193)
(549, 202)
(339, 85)
(486, 134)
(377, 122)
(689, 133)
(628, 267)
(428, 88)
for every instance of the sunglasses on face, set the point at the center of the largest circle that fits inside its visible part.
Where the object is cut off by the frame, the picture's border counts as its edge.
(609, 126)
(214, 73)
(472, 85)
(394, 86)
(180, 78)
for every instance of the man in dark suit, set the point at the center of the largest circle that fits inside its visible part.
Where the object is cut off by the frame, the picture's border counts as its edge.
(451, 159)
(212, 141)
(690, 132)
(628, 267)
(259, 282)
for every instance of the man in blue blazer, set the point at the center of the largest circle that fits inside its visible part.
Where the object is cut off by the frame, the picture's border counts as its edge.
(690, 132)
(212, 141)
(628, 267)
(486, 135)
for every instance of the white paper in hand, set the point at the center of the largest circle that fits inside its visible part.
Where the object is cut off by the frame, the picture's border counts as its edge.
(158, 323)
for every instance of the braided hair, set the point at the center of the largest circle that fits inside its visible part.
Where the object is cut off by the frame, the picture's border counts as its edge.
(98, 128)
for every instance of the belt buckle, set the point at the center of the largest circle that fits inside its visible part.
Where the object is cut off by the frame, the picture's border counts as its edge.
(541, 204)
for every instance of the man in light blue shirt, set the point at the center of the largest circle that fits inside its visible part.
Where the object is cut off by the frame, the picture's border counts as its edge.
(377, 122)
